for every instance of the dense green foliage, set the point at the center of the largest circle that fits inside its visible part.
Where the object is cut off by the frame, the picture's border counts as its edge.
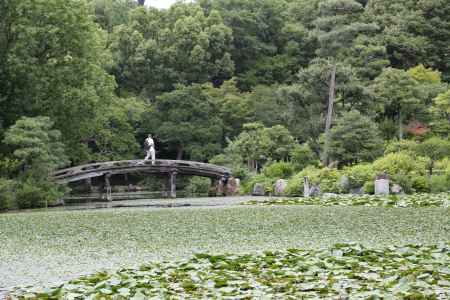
(238, 82)
(354, 139)
(38, 150)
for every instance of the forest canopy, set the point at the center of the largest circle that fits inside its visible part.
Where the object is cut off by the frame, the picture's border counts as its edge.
(99, 75)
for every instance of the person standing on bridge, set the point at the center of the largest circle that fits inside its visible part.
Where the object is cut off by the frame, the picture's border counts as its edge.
(149, 146)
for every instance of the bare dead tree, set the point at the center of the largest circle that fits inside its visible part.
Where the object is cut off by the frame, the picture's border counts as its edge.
(331, 96)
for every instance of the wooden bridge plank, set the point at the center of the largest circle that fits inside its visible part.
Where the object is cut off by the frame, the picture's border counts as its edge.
(83, 172)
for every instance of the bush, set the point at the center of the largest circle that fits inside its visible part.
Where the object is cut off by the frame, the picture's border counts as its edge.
(369, 187)
(302, 156)
(295, 185)
(267, 182)
(234, 162)
(326, 178)
(31, 194)
(358, 175)
(7, 200)
(443, 167)
(439, 183)
(198, 186)
(279, 170)
(407, 146)
(404, 181)
(420, 184)
(405, 170)
(401, 163)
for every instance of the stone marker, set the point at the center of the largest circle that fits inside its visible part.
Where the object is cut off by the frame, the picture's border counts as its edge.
(280, 186)
(344, 183)
(397, 189)
(357, 191)
(310, 191)
(232, 187)
(306, 189)
(258, 190)
(314, 191)
(382, 187)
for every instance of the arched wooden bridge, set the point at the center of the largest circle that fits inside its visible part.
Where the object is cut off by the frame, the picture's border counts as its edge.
(169, 167)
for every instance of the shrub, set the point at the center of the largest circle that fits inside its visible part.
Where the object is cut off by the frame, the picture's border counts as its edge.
(31, 194)
(420, 184)
(407, 171)
(369, 187)
(401, 163)
(302, 156)
(435, 149)
(407, 146)
(232, 161)
(7, 200)
(326, 178)
(358, 175)
(198, 185)
(295, 185)
(439, 183)
(443, 167)
(279, 170)
(404, 181)
(267, 182)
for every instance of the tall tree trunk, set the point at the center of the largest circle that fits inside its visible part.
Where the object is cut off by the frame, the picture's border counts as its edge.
(179, 152)
(141, 2)
(331, 96)
(400, 125)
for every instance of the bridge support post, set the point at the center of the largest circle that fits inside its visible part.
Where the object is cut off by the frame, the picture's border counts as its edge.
(173, 184)
(108, 187)
(88, 184)
(220, 186)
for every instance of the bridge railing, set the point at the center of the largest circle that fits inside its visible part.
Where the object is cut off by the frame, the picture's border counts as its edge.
(129, 166)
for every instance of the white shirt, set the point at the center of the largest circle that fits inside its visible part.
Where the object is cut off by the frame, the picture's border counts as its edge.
(149, 142)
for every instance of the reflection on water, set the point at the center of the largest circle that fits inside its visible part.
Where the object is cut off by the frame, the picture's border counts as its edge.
(102, 205)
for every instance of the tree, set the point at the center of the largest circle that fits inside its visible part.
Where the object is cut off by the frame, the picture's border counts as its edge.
(413, 32)
(188, 121)
(257, 144)
(307, 99)
(235, 107)
(157, 50)
(441, 113)
(435, 149)
(355, 138)
(256, 28)
(36, 144)
(336, 28)
(53, 65)
(37, 147)
(407, 95)
(111, 13)
(303, 156)
(398, 95)
(114, 137)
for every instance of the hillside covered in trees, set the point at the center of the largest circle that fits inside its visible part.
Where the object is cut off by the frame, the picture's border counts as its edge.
(242, 83)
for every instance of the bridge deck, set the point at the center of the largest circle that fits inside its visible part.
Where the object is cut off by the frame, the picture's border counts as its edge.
(134, 166)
